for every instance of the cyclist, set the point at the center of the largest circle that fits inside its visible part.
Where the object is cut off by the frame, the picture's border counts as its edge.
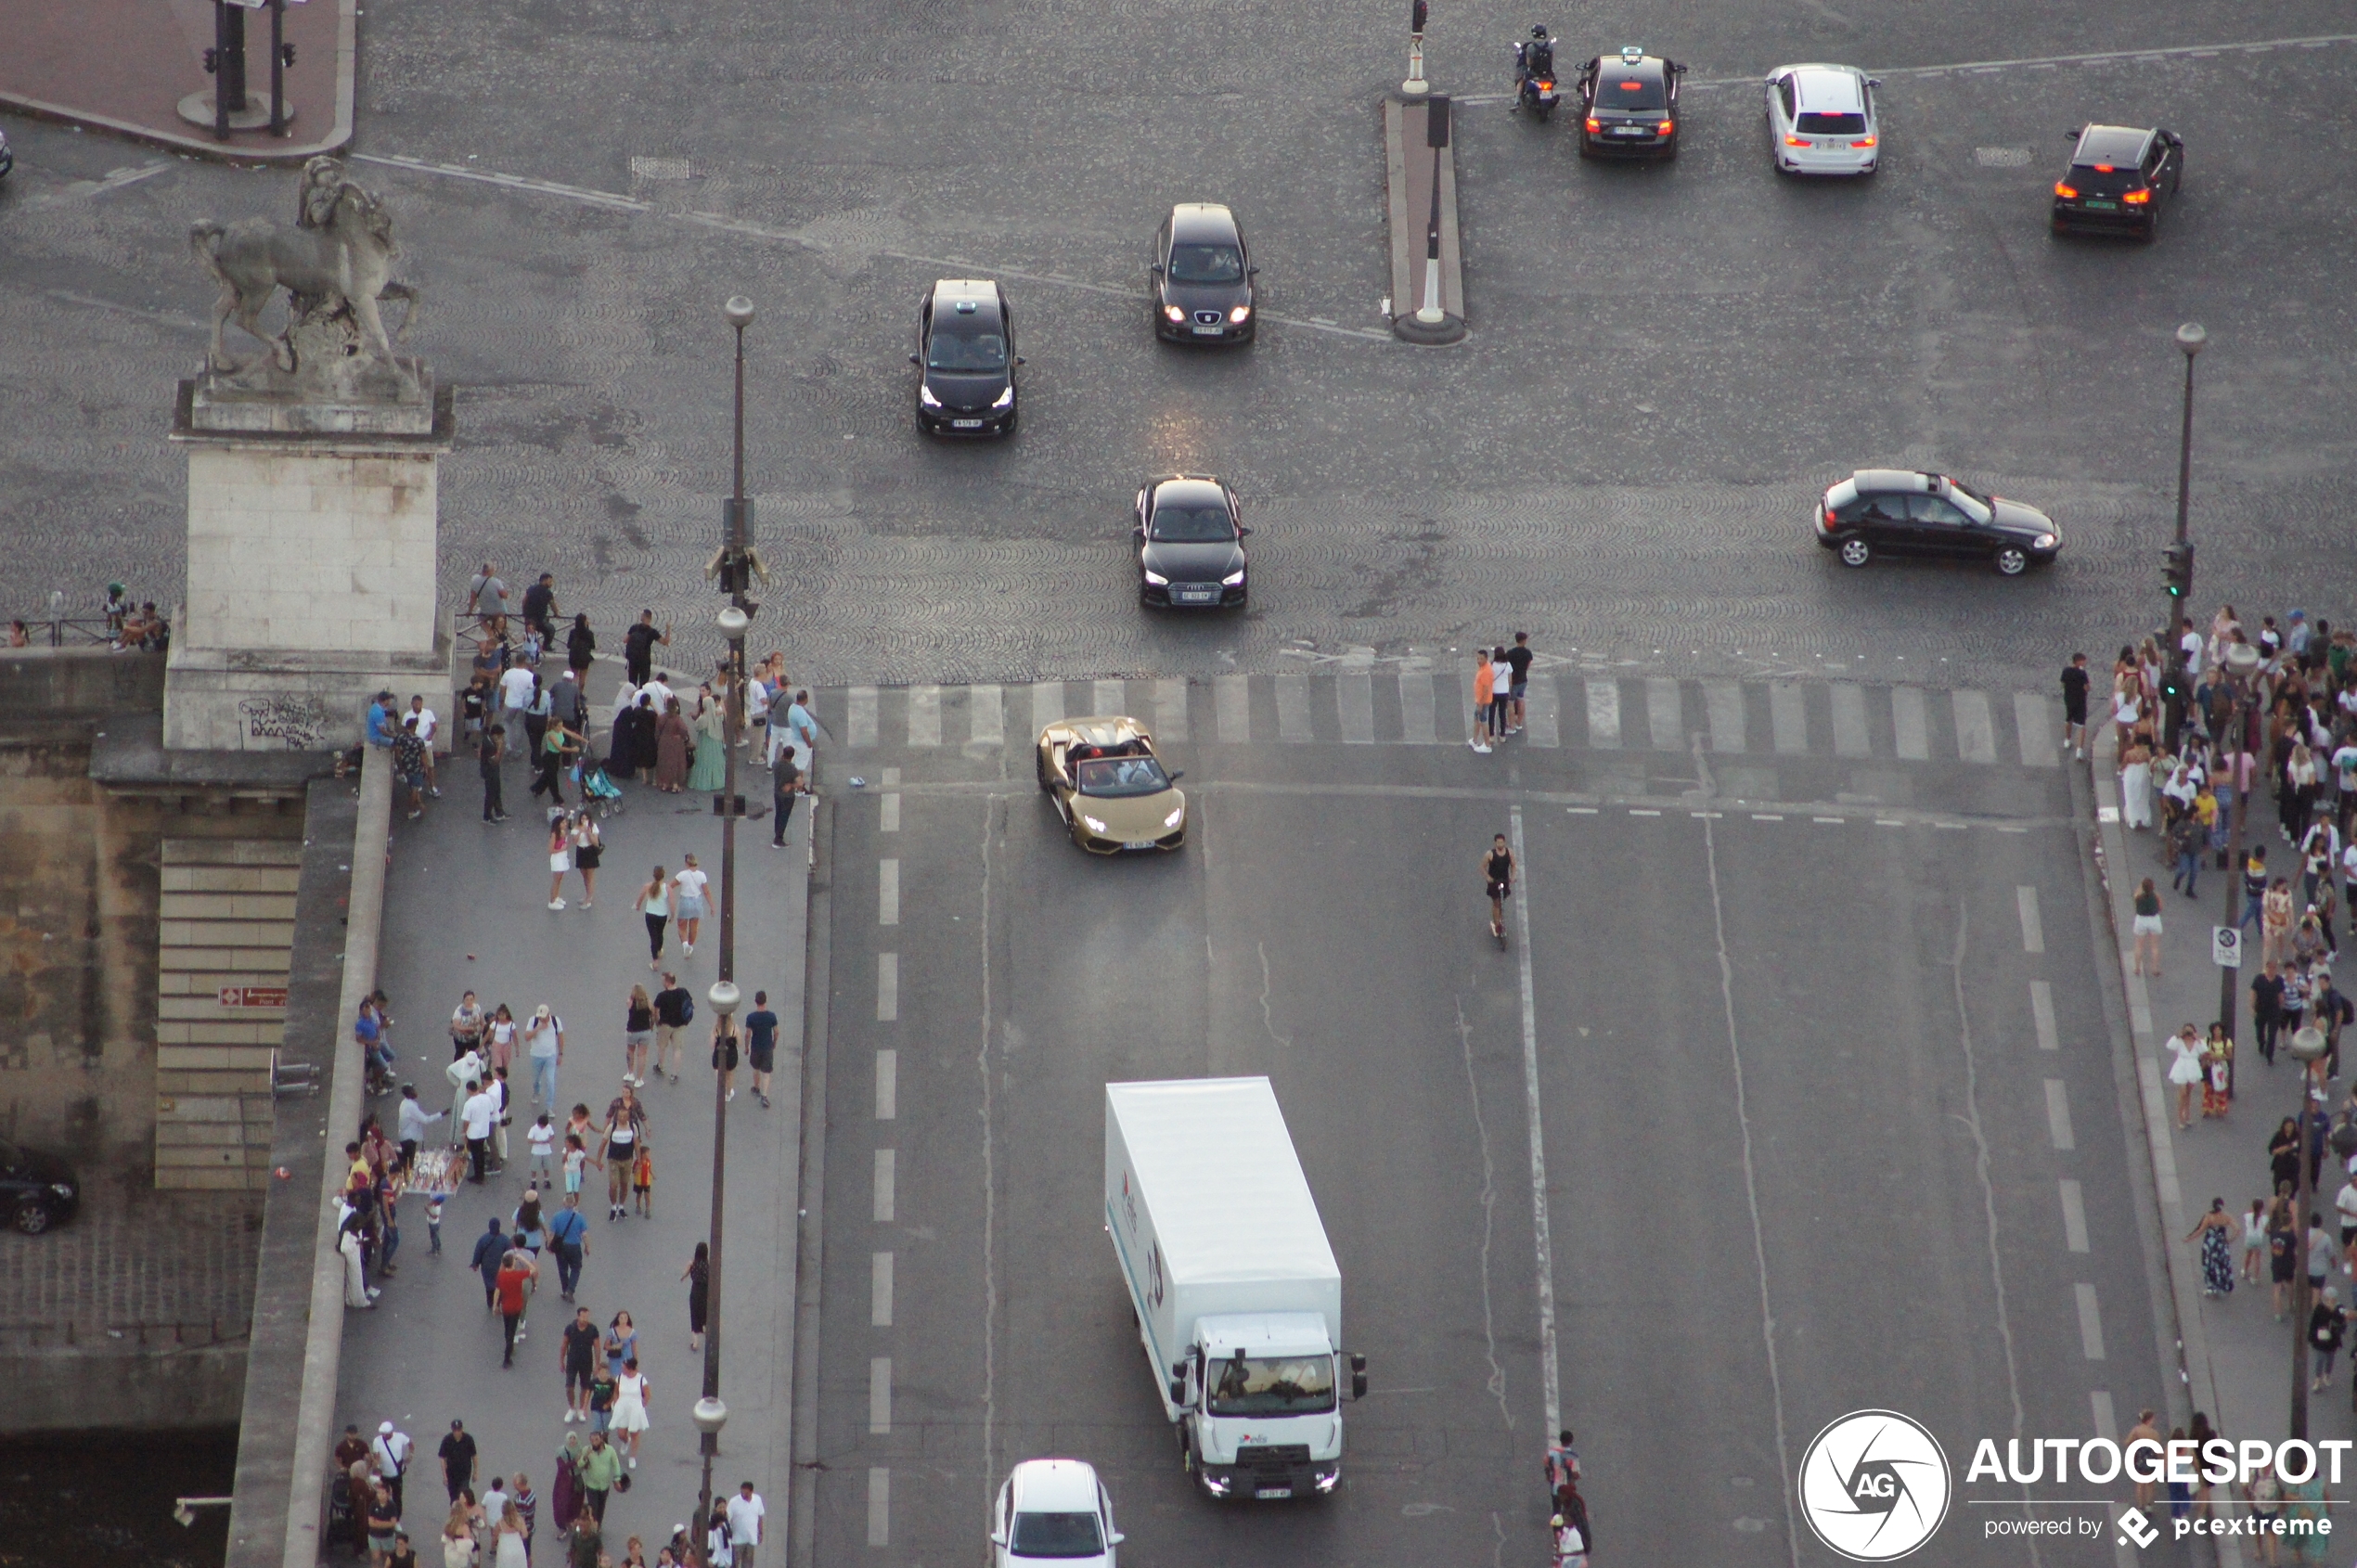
(1497, 871)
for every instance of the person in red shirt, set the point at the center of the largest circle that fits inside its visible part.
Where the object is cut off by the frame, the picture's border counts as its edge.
(514, 1283)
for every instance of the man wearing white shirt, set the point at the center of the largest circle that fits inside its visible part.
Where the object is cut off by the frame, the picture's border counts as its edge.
(392, 1450)
(428, 725)
(660, 689)
(466, 1075)
(746, 1515)
(481, 1110)
(515, 696)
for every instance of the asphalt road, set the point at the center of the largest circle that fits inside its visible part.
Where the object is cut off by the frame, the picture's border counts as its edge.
(1667, 364)
(1788, 1073)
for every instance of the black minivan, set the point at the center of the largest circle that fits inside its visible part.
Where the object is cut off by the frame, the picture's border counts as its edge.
(966, 359)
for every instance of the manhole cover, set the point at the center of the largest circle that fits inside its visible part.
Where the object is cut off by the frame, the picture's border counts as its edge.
(677, 169)
(1987, 156)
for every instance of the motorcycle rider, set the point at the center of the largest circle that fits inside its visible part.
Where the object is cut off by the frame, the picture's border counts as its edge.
(1533, 58)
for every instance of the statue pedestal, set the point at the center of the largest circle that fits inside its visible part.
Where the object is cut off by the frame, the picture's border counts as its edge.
(312, 540)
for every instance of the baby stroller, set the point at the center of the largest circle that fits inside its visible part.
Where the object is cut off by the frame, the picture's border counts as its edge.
(600, 791)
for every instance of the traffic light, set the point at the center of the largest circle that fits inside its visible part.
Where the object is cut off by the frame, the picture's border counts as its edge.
(2177, 569)
(1417, 16)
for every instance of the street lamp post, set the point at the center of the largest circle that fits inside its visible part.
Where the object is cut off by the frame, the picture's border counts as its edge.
(2242, 662)
(2190, 339)
(2306, 1046)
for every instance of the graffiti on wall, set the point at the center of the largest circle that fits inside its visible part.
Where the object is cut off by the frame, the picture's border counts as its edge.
(301, 724)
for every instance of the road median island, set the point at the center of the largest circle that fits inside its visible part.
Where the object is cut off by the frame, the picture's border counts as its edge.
(1412, 167)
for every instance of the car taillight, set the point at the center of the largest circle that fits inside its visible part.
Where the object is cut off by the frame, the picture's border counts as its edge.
(2137, 198)
(1665, 127)
(1593, 124)
(1863, 141)
(2065, 191)
(1825, 516)
(1795, 141)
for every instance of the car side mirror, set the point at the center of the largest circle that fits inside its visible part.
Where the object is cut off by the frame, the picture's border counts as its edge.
(1251, 272)
(1241, 531)
(1177, 776)
(1154, 267)
(1178, 1391)
(998, 1537)
(1873, 81)
(1116, 1538)
(1358, 1376)
(913, 359)
(2070, 136)
(1020, 360)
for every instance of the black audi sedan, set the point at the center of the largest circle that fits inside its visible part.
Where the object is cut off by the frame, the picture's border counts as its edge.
(1629, 106)
(1896, 511)
(2118, 180)
(1189, 534)
(37, 1190)
(966, 359)
(1202, 276)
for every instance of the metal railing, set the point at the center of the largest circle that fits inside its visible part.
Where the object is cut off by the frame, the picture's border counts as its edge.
(70, 631)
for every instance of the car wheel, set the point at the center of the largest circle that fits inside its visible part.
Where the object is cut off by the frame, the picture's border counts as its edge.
(1039, 768)
(33, 1217)
(1856, 552)
(2152, 226)
(2012, 560)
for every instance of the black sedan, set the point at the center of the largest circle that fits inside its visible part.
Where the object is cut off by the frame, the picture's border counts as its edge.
(2118, 180)
(966, 359)
(37, 1190)
(1629, 106)
(1189, 534)
(1897, 511)
(1202, 277)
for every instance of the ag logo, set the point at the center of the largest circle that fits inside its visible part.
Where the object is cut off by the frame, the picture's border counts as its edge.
(1875, 1486)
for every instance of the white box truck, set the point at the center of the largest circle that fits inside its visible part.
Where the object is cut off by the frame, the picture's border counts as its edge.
(1237, 1295)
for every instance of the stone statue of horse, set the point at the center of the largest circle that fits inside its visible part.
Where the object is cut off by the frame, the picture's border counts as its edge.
(340, 255)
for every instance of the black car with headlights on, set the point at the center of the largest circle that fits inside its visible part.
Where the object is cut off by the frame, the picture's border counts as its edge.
(37, 1190)
(1202, 276)
(1189, 534)
(1899, 511)
(966, 359)
(1629, 106)
(2118, 180)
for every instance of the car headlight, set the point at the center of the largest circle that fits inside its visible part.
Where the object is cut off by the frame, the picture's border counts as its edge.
(1092, 824)
(1173, 313)
(1157, 578)
(62, 1189)
(1233, 579)
(924, 395)
(1005, 399)
(1217, 1485)
(1241, 314)
(1177, 815)
(2045, 542)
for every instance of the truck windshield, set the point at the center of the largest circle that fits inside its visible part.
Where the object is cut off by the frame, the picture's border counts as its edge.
(1290, 1386)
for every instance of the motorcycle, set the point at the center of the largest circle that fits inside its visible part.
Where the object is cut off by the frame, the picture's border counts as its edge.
(1538, 95)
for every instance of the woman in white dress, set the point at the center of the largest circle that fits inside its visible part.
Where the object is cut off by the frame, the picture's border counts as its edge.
(458, 1538)
(355, 1281)
(2185, 1071)
(510, 1551)
(2136, 784)
(630, 1408)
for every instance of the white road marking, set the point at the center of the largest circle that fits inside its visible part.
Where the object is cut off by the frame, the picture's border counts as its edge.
(1604, 713)
(1541, 725)
(1416, 723)
(2106, 1420)
(887, 1177)
(2042, 1013)
(880, 1290)
(1550, 1367)
(2091, 1322)
(1767, 816)
(1580, 810)
(1047, 704)
(1788, 716)
(1976, 728)
(1850, 720)
(1665, 715)
(1170, 712)
(985, 712)
(2034, 725)
(860, 731)
(2033, 934)
(887, 893)
(887, 1084)
(1723, 702)
(1111, 696)
(888, 811)
(514, 182)
(2058, 1115)
(879, 1506)
(887, 987)
(879, 1395)
(1355, 705)
(1834, 821)
(1293, 707)
(924, 716)
(1231, 696)
(2074, 1212)
(1643, 811)
(1908, 723)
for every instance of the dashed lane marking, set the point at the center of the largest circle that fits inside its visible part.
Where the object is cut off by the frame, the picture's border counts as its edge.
(887, 1084)
(2090, 1323)
(879, 1291)
(888, 892)
(2074, 1213)
(879, 1506)
(2033, 931)
(2041, 1013)
(887, 1179)
(879, 1395)
(887, 987)
(2058, 1115)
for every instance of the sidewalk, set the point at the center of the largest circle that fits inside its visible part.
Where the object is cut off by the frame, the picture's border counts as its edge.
(464, 909)
(2238, 1356)
(122, 66)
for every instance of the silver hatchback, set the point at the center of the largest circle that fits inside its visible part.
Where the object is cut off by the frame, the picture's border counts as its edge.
(1821, 119)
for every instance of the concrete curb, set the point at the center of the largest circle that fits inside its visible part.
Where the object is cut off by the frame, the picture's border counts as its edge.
(1409, 222)
(338, 134)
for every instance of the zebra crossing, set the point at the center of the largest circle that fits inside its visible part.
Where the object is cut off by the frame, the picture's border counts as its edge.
(1428, 707)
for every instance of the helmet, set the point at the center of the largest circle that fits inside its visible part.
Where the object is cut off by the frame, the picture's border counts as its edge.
(1540, 32)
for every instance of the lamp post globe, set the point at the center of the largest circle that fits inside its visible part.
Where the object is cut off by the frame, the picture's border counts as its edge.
(710, 1414)
(2190, 337)
(738, 312)
(733, 622)
(2242, 660)
(723, 997)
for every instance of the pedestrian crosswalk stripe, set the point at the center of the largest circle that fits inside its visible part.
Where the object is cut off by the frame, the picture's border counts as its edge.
(1420, 705)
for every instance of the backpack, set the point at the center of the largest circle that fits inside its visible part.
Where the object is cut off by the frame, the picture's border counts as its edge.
(687, 1007)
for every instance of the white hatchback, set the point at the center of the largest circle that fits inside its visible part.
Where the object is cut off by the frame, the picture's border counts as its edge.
(1054, 1510)
(1821, 119)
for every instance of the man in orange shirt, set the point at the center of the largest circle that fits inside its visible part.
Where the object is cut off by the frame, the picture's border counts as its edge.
(1485, 691)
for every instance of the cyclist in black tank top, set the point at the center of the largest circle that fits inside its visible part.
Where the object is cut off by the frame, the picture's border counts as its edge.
(1497, 875)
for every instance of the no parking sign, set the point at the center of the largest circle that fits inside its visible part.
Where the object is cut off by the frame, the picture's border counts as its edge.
(2226, 947)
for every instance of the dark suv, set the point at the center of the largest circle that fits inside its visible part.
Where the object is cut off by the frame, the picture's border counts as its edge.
(966, 359)
(1629, 106)
(37, 1190)
(2118, 180)
(1202, 277)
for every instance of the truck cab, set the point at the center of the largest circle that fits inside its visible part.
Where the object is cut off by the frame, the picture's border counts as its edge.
(1260, 1399)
